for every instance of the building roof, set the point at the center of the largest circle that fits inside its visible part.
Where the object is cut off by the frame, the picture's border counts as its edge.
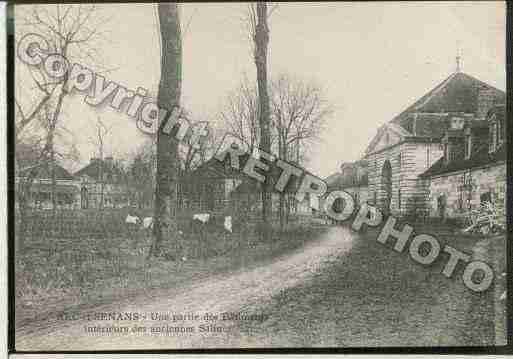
(429, 115)
(92, 170)
(480, 158)
(334, 181)
(215, 169)
(339, 180)
(355, 182)
(43, 171)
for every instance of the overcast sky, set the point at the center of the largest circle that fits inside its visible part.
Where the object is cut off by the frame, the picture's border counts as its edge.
(373, 60)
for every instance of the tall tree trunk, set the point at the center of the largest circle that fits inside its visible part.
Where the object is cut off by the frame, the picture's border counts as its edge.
(23, 203)
(167, 147)
(261, 40)
(100, 177)
(283, 155)
(52, 169)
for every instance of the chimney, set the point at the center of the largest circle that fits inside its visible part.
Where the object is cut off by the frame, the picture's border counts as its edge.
(485, 101)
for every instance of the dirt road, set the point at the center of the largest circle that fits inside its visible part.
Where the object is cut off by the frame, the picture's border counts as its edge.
(341, 290)
(227, 293)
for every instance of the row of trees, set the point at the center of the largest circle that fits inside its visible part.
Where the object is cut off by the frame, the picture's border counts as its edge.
(297, 116)
(75, 32)
(285, 114)
(298, 112)
(281, 115)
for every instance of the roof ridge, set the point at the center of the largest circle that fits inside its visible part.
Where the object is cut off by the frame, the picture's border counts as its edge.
(435, 91)
(428, 94)
(482, 82)
(423, 100)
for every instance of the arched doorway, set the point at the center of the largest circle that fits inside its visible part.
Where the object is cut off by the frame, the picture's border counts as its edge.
(386, 185)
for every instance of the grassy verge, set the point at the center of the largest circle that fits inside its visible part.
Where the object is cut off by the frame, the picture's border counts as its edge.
(374, 296)
(56, 275)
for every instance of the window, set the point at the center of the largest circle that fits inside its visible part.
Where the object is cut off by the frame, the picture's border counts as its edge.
(500, 132)
(493, 137)
(468, 146)
(452, 153)
(427, 156)
(399, 198)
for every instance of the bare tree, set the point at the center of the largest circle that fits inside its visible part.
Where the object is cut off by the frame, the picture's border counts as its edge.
(73, 32)
(167, 147)
(141, 172)
(191, 157)
(98, 141)
(240, 115)
(299, 111)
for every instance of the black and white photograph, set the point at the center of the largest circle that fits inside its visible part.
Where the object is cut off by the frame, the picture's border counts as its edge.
(258, 175)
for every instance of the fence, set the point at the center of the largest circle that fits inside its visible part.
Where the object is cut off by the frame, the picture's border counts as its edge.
(106, 223)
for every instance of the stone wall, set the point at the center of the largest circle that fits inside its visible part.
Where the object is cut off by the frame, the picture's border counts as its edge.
(408, 160)
(463, 189)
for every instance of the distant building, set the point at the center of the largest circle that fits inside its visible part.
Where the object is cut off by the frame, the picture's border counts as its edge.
(208, 187)
(432, 128)
(103, 184)
(353, 179)
(41, 188)
(472, 169)
(218, 187)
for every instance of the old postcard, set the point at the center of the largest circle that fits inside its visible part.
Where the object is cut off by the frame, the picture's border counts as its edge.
(259, 175)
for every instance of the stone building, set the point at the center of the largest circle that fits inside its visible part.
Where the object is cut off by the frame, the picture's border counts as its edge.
(355, 180)
(103, 184)
(472, 169)
(217, 187)
(352, 178)
(414, 141)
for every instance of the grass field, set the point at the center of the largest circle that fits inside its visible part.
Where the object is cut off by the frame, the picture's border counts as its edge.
(374, 296)
(53, 275)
